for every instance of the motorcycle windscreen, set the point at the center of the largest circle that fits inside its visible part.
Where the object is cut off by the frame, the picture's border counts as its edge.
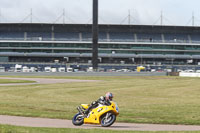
(85, 106)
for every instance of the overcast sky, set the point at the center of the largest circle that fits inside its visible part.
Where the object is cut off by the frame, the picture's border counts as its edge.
(148, 12)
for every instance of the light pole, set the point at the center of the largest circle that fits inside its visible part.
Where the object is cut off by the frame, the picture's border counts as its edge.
(95, 36)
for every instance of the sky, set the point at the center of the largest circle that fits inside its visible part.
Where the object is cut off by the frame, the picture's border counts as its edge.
(142, 12)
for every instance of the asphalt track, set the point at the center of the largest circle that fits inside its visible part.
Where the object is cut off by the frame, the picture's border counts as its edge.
(57, 123)
(44, 81)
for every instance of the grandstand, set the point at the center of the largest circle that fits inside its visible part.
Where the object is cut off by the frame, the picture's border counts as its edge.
(118, 44)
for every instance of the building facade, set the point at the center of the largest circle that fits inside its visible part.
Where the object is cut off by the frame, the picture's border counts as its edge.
(118, 44)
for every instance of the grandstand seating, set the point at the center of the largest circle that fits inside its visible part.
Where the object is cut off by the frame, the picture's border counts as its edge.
(87, 36)
(149, 37)
(180, 38)
(11, 35)
(103, 36)
(66, 36)
(129, 43)
(38, 35)
(121, 36)
(195, 37)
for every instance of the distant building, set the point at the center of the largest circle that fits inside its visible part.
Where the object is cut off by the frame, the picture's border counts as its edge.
(118, 44)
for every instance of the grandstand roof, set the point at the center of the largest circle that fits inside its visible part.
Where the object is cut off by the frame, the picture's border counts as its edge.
(102, 28)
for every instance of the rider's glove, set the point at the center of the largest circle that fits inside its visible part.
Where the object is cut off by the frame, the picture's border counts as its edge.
(102, 98)
(93, 103)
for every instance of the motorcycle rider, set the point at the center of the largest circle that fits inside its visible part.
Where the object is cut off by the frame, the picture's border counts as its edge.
(104, 100)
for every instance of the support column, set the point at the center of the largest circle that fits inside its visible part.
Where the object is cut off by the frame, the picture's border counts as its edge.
(95, 36)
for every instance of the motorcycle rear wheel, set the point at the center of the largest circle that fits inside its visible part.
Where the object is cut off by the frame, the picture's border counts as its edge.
(106, 122)
(78, 119)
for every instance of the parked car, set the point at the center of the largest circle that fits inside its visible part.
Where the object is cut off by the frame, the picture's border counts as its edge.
(189, 71)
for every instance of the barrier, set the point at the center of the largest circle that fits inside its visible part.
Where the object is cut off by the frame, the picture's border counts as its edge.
(173, 74)
(186, 74)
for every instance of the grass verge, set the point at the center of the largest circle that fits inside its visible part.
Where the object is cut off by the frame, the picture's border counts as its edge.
(15, 129)
(9, 81)
(163, 100)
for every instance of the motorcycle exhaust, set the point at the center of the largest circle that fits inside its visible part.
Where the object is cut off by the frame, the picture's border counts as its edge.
(80, 110)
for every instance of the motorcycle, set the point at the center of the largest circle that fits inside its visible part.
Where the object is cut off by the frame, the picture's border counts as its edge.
(102, 115)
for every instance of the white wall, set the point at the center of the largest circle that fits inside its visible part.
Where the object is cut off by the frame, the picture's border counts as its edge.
(186, 74)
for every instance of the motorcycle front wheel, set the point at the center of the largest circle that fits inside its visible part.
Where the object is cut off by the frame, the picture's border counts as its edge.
(78, 119)
(108, 119)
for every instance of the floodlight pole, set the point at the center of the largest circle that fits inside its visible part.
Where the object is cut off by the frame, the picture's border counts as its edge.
(31, 16)
(161, 18)
(63, 16)
(0, 15)
(129, 17)
(95, 36)
(192, 18)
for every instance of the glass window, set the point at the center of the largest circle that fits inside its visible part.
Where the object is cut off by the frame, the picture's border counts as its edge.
(167, 46)
(4, 44)
(158, 47)
(189, 47)
(14, 45)
(59, 45)
(179, 47)
(25, 45)
(5, 50)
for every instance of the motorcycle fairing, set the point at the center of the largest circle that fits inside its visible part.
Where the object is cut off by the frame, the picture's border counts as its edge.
(96, 113)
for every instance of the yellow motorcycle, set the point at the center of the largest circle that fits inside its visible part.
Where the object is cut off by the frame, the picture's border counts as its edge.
(104, 115)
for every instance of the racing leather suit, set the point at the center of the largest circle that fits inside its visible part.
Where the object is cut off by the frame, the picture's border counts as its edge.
(102, 100)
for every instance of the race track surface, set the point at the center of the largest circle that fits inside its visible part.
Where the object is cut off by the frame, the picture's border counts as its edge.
(57, 123)
(43, 81)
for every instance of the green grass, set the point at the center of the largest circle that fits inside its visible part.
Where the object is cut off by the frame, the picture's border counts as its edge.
(15, 129)
(163, 100)
(8, 81)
